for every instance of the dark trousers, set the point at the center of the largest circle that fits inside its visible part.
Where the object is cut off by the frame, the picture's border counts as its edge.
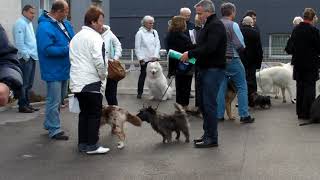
(111, 92)
(197, 87)
(306, 93)
(142, 77)
(210, 82)
(251, 84)
(28, 70)
(183, 88)
(89, 118)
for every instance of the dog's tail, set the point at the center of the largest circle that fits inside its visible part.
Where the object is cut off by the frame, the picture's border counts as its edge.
(135, 120)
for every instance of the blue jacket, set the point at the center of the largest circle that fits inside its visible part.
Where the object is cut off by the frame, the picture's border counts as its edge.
(53, 49)
(25, 39)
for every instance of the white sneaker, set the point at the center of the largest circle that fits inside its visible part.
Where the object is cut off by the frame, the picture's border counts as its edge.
(100, 150)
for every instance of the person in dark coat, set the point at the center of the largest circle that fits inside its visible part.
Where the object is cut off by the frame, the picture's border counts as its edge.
(10, 72)
(252, 56)
(177, 40)
(305, 50)
(296, 21)
(210, 53)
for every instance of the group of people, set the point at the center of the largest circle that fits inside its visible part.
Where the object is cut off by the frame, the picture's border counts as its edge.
(78, 61)
(217, 45)
(223, 51)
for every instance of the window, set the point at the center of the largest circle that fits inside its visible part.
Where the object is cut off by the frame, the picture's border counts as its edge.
(277, 44)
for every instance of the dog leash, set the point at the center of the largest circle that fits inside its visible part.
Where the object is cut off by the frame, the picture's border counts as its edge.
(164, 93)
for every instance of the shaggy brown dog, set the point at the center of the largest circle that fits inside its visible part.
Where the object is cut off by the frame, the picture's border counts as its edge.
(116, 117)
(229, 97)
(165, 124)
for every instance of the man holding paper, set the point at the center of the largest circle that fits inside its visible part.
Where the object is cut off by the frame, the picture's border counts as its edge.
(211, 61)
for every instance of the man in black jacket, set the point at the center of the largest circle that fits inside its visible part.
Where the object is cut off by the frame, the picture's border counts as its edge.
(10, 73)
(252, 56)
(305, 50)
(211, 61)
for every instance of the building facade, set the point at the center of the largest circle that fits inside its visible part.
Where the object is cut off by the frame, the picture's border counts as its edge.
(274, 17)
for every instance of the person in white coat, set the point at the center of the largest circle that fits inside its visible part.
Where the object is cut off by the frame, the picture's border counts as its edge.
(113, 52)
(147, 48)
(87, 74)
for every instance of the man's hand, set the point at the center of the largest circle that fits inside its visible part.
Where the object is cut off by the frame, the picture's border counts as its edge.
(142, 62)
(184, 57)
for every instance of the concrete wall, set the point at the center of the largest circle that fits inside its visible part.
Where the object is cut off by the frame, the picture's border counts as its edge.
(10, 11)
(79, 8)
(274, 16)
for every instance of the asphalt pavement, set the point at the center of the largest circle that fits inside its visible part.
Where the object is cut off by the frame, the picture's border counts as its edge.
(274, 147)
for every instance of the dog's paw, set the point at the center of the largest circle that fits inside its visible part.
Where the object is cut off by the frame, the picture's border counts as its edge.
(120, 145)
(151, 98)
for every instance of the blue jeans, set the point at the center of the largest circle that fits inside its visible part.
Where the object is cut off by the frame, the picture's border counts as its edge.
(28, 69)
(235, 72)
(209, 84)
(55, 90)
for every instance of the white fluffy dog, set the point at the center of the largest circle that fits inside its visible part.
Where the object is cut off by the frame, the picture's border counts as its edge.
(157, 82)
(277, 76)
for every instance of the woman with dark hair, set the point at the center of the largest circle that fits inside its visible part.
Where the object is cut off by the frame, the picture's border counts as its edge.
(87, 74)
(177, 40)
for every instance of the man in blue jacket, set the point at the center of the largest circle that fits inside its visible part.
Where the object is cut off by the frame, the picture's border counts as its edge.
(53, 36)
(25, 41)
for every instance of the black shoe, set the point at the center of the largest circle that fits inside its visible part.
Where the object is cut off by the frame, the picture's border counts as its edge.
(247, 119)
(25, 110)
(303, 117)
(139, 96)
(33, 108)
(220, 119)
(60, 136)
(198, 140)
(206, 144)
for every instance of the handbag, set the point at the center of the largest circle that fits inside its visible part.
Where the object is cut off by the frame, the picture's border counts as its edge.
(115, 69)
(73, 104)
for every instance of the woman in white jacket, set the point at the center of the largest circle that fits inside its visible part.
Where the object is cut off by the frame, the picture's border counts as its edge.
(147, 48)
(112, 53)
(88, 71)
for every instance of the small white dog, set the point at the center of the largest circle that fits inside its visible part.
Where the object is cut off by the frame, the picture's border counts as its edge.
(277, 76)
(157, 82)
